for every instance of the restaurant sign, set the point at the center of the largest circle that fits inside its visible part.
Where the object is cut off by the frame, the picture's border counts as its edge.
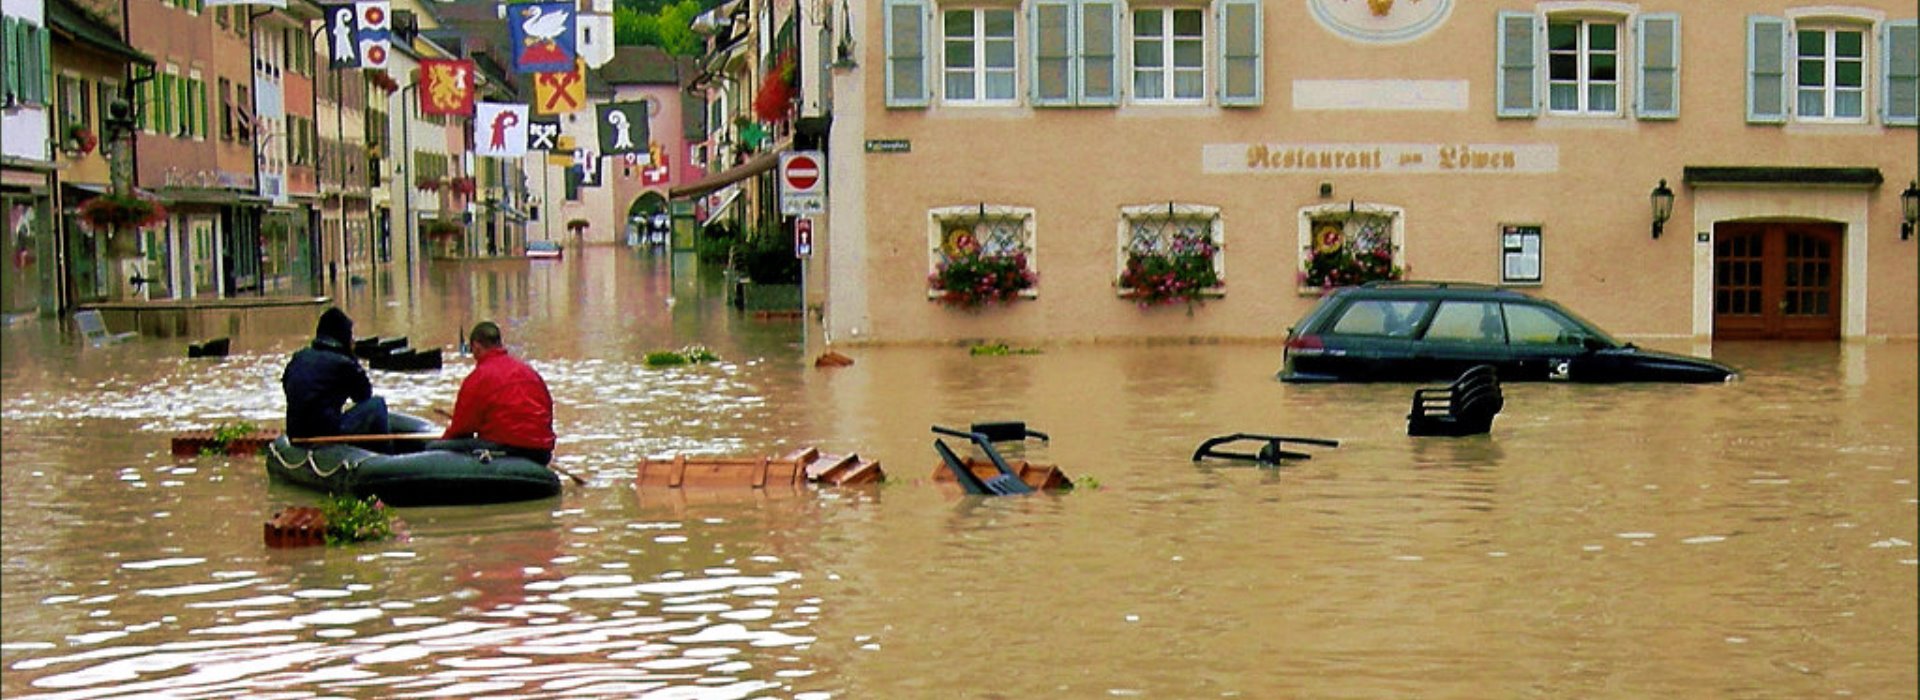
(1384, 158)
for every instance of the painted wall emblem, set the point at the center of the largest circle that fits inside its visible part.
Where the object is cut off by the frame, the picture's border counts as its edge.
(1380, 21)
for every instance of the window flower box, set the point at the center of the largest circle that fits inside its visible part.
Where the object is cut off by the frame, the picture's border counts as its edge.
(1180, 272)
(974, 280)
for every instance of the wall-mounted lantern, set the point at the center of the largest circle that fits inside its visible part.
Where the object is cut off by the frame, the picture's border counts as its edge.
(1662, 207)
(1909, 209)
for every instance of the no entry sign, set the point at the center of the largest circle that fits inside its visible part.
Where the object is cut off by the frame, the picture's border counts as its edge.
(802, 176)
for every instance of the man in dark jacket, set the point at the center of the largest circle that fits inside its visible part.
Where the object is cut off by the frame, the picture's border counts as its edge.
(503, 405)
(322, 377)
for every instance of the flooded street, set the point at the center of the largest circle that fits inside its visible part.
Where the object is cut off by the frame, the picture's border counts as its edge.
(1748, 540)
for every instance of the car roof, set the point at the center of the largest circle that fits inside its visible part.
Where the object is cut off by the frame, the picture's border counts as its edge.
(1419, 289)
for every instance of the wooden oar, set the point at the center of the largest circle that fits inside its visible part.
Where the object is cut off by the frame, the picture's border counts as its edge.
(377, 437)
(570, 475)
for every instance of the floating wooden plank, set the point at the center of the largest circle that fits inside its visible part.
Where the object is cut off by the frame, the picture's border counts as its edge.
(1040, 477)
(803, 466)
(192, 442)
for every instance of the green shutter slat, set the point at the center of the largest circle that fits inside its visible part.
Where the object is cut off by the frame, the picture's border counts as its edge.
(1657, 95)
(906, 36)
(1766, 70)
(1097, 52)
(45, 62)
(1900, 73)
(1053, 66)
(1240, 70)
(1514, 84)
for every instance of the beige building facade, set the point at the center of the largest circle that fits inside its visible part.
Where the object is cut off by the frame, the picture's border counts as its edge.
(1514, 143)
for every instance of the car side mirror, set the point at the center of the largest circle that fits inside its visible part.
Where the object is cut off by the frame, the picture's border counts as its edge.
(1592, 343)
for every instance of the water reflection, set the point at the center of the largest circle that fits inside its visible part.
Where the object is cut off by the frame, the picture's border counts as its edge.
(1748, 540)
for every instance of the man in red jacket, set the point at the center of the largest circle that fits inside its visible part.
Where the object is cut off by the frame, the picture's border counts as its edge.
(503, 404)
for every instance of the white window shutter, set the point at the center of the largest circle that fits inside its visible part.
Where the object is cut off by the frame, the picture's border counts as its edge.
(1658, 89)
(1051, 23)
(1766, 70)
(907, 53)
(1097, 43)
(1517, 84)
(1240, 42)
(1900, 73)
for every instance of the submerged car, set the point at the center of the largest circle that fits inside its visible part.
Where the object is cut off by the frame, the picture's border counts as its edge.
(543, 249)
(1434, 331)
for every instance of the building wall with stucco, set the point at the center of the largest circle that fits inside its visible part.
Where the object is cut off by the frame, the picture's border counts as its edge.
(1395, 116)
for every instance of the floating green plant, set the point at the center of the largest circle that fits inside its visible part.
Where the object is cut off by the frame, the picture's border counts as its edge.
(691, 354)
(352, 520)
(1001, 349)
(225, 434)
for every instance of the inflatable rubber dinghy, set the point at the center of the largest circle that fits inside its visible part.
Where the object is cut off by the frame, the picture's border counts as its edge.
(405, 473)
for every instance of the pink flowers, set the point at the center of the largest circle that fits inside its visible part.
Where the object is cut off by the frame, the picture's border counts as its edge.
(974, 280)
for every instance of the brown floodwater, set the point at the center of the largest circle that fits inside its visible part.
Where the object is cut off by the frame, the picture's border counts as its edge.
(1747, 540)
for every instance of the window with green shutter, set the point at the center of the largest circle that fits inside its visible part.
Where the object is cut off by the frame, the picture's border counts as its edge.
(1514, 90)
(1240, 43)
(1657, 92)
(1900, 71)
(1766, 70)
(906, 37)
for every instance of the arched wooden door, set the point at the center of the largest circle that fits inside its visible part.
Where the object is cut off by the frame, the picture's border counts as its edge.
(1776, 281)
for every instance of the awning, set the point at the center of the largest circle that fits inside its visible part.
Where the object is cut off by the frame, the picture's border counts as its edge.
(1866, 178)
(759, 163)
(80, 25)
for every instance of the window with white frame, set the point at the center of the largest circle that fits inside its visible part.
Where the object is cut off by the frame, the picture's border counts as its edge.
(978, 61)
(1598, 61)
(1076, 53)
(1832, 68)
(981, 253)
(1583, 66)
(1351, 244)
(1170, 252)
(1169, 55)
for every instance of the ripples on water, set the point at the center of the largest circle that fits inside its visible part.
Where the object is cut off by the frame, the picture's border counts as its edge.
(1748, 540)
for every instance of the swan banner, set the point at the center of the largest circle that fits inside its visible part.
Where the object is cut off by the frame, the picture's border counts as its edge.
(543, 36)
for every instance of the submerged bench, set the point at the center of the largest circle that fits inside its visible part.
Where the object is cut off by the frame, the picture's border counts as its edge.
(94, 328)
(1465, 407)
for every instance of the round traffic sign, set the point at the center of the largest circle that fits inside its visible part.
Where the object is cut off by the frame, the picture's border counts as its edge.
(802, 172)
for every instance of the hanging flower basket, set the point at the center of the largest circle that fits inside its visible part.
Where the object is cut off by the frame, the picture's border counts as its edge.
(441, 228)
(775, 98)
(462, 185)
(1182, 273)
(429, 184)
(974, 279)
(82, 139)
(383, 80)
(112, 210)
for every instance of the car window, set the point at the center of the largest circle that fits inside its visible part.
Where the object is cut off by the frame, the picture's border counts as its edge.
(1534, 325)
(1393, 318)
(1470, 321)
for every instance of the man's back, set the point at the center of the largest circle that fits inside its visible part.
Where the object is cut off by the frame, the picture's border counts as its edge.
(504, 401)
(318, 381)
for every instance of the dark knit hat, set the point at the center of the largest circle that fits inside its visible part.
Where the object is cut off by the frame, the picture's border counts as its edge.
(337, 325)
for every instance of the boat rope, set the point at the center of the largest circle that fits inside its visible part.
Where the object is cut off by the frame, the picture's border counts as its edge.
(310, 463)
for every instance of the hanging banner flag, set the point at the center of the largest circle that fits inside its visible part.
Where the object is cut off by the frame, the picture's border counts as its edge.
(374, 33)
(655, 175)
(500, 129)
(543, 134)
(587, 164)
(543, 36)
(343, 49)
(623, 127)
(282, 4)
(564, 92)
(446, 86)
